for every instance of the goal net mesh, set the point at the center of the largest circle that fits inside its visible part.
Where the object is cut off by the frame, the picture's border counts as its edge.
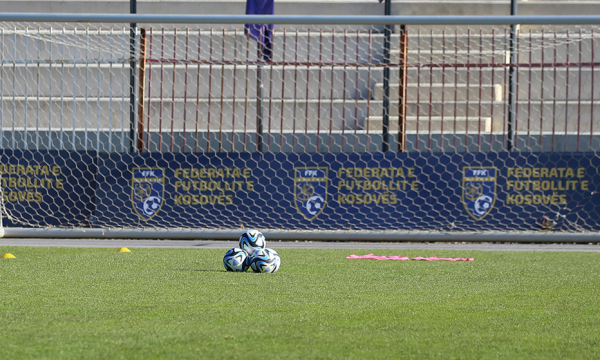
(320, 127)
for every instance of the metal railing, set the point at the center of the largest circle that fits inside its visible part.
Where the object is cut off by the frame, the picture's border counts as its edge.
(336, 102)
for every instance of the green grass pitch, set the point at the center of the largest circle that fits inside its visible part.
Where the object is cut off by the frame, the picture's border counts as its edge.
(82, 303)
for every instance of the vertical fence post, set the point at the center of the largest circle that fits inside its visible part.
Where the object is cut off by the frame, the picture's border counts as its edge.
(385, 146)
(512, 86)
(402, 89)
(141, 91)
(132, 102)
(259, 99)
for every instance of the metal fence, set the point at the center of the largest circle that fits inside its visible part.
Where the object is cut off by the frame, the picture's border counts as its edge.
(198, 88)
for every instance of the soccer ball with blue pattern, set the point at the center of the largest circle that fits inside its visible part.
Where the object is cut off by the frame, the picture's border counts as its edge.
(236, 260)
(264, 261)
(252, 240)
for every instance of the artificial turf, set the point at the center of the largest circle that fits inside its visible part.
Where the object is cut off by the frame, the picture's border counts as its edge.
(78, 303)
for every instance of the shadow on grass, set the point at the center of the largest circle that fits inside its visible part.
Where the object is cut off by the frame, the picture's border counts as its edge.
(202, 270)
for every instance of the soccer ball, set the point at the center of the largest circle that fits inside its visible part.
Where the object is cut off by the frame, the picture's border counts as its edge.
(236, 260)
(264, 261)
(483, 204)
(151, 205)
(252, 240)
(314, 204)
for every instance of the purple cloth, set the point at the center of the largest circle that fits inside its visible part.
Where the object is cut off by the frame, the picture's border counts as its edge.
(261, 32)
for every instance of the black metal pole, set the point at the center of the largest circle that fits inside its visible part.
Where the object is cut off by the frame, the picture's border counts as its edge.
(259, 99)
(386, 80)
(402, 89)
(132, 103)
(512, 81)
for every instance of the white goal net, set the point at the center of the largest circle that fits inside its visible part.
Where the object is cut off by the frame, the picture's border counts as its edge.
(305, 127)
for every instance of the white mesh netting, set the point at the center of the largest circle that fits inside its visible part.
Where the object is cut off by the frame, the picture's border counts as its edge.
(335, 129)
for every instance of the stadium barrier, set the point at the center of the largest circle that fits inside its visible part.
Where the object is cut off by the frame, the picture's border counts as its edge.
(333, 130)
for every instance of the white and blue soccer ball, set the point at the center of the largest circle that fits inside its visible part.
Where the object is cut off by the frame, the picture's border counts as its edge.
(236, 260)
(483, 204)
(264, 261)
(252, 240)
(151, 205)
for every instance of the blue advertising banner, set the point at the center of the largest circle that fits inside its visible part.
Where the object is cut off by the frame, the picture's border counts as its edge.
(48, 188)
(391, 191)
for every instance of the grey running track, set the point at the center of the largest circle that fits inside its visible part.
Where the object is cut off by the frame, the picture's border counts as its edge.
(207, 244)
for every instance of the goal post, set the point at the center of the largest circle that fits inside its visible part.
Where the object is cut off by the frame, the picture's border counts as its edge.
(225, 139)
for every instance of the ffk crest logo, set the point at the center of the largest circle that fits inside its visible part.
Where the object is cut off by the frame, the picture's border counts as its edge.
(479, 190)
(147, 191)
(310, 190)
